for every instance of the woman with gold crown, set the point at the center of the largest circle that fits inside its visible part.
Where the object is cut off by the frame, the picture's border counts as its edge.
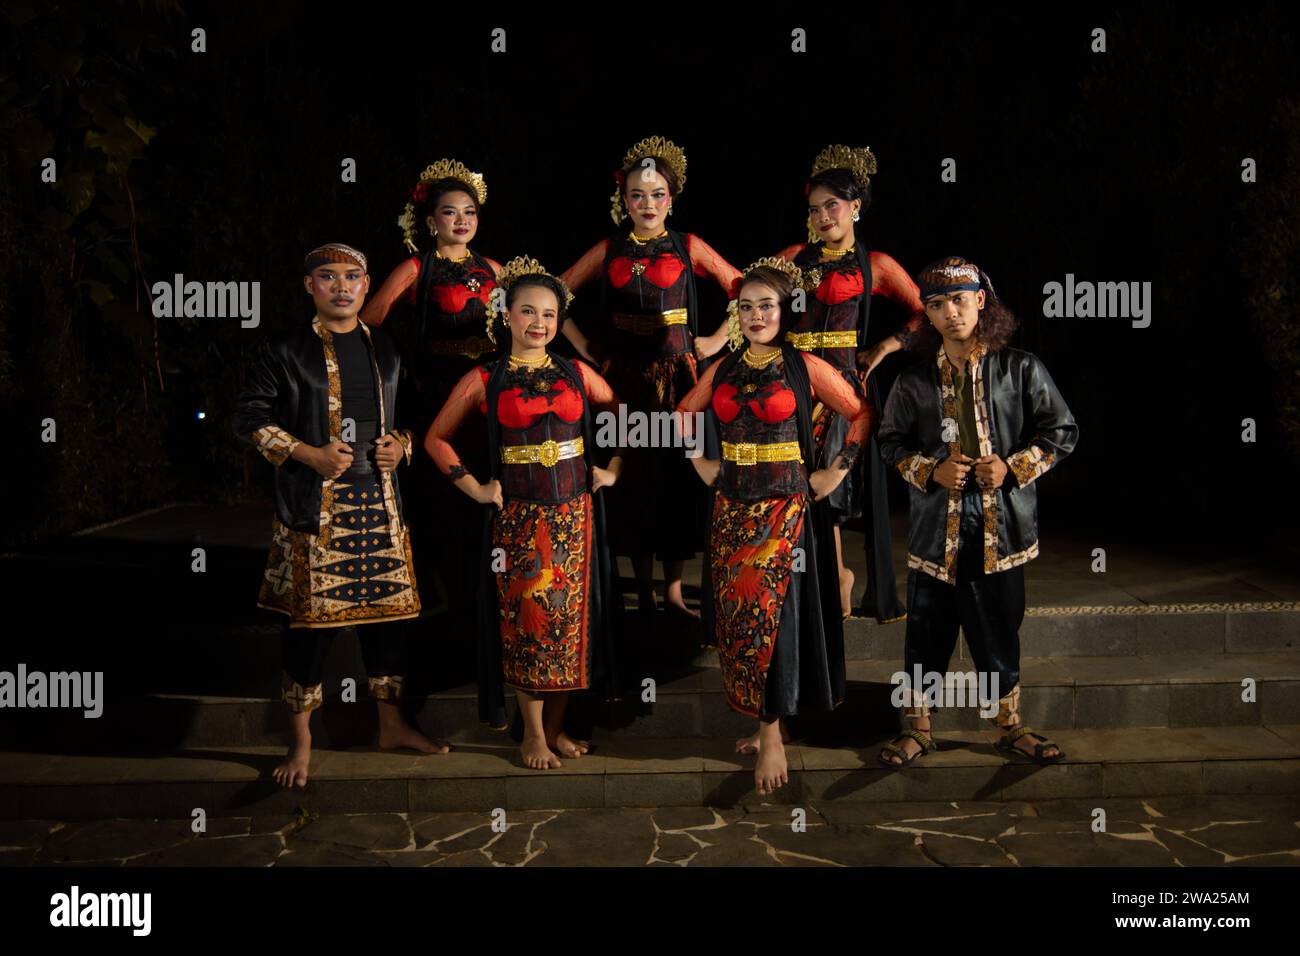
(545, 595)
(646, 327)
(772, 599)
(843, 276)
(441, 294)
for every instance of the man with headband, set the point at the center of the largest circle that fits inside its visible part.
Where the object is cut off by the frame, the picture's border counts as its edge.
(970, 428)
(320, 402)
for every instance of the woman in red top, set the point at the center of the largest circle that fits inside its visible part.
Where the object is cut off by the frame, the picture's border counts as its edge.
(774, 603)
(544, 595)
(646, 327)
(843, 276)
(440, 296)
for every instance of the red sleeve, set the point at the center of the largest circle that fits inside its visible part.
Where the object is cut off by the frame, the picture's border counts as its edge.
(789, 252)
(599, 392)
(466, 398)
(399, 284)
(707, 263)
(696, 400)
(830, 388)
(586, 268)
(891, 280)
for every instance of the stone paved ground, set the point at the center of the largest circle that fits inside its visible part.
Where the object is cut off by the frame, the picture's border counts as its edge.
(1181, 831)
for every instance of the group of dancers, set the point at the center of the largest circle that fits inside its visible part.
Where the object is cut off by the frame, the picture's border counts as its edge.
(501, 406)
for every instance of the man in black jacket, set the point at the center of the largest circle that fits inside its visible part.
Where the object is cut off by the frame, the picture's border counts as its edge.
(970, 428)
(319, 403)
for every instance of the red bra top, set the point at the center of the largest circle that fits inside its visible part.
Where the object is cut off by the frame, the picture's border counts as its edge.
(839, 286)
(453, 298)
(772, 403)
(515, 411)
(663, 273)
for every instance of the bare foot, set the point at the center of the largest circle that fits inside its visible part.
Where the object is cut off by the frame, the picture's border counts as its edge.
(771, 771)
(749, 745)
(293, 772)
(846, 592)
(679, 605)
(568, 746)
(404, 736)
(537, 755)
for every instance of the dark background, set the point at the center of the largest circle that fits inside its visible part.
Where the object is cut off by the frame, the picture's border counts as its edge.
(225, 165)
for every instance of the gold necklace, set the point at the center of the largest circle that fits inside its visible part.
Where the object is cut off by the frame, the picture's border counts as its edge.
(836, 253)
(748, 357)
(542, 362)
(464, 258)
(641, 242)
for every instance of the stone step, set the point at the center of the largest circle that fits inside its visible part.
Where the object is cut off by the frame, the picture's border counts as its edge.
(484, 774)
(1090, 693)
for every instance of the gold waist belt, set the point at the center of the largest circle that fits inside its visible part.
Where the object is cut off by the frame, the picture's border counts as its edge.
(471, 347)
(822, 340)
(547, 453)
(748, 453)
(652, 323)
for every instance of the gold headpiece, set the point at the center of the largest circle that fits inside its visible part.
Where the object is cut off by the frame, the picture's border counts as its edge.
(442, 169)
(512, 270)
(861, 162)
(735, 337)
(654, 147)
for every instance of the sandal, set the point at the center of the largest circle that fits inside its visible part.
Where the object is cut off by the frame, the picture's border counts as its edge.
(1007, 744)
(927, 746)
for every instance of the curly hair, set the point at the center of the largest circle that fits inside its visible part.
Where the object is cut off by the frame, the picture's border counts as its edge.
(994, 330)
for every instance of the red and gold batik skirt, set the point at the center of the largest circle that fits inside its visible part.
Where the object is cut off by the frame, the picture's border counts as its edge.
(543, 593)
(752, 552)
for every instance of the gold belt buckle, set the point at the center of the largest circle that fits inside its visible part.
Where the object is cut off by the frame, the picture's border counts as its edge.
(746, 453)
(548, 453)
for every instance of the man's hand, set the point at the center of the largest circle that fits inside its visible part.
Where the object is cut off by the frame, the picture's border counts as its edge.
(328, 461)
(389, 452)
(953, 472)
(990, 471)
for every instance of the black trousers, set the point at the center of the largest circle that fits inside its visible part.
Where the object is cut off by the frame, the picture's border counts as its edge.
(988, 609)
(383, 648)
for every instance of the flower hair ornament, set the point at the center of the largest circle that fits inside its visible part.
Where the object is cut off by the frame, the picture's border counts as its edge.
(514, 269)
(651, 147)
(442, 169)
(859, 161)
(735, 337)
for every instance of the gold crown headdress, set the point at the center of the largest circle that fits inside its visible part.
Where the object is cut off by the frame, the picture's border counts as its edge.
(511, 271)
(652, 146)
(442, 169)
(859, 161)
(735, 337)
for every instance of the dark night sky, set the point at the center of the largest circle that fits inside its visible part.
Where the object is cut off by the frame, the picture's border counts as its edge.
(1122, 166)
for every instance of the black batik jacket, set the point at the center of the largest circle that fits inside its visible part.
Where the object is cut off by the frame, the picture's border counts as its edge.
(292, 394)
(1019, 416)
